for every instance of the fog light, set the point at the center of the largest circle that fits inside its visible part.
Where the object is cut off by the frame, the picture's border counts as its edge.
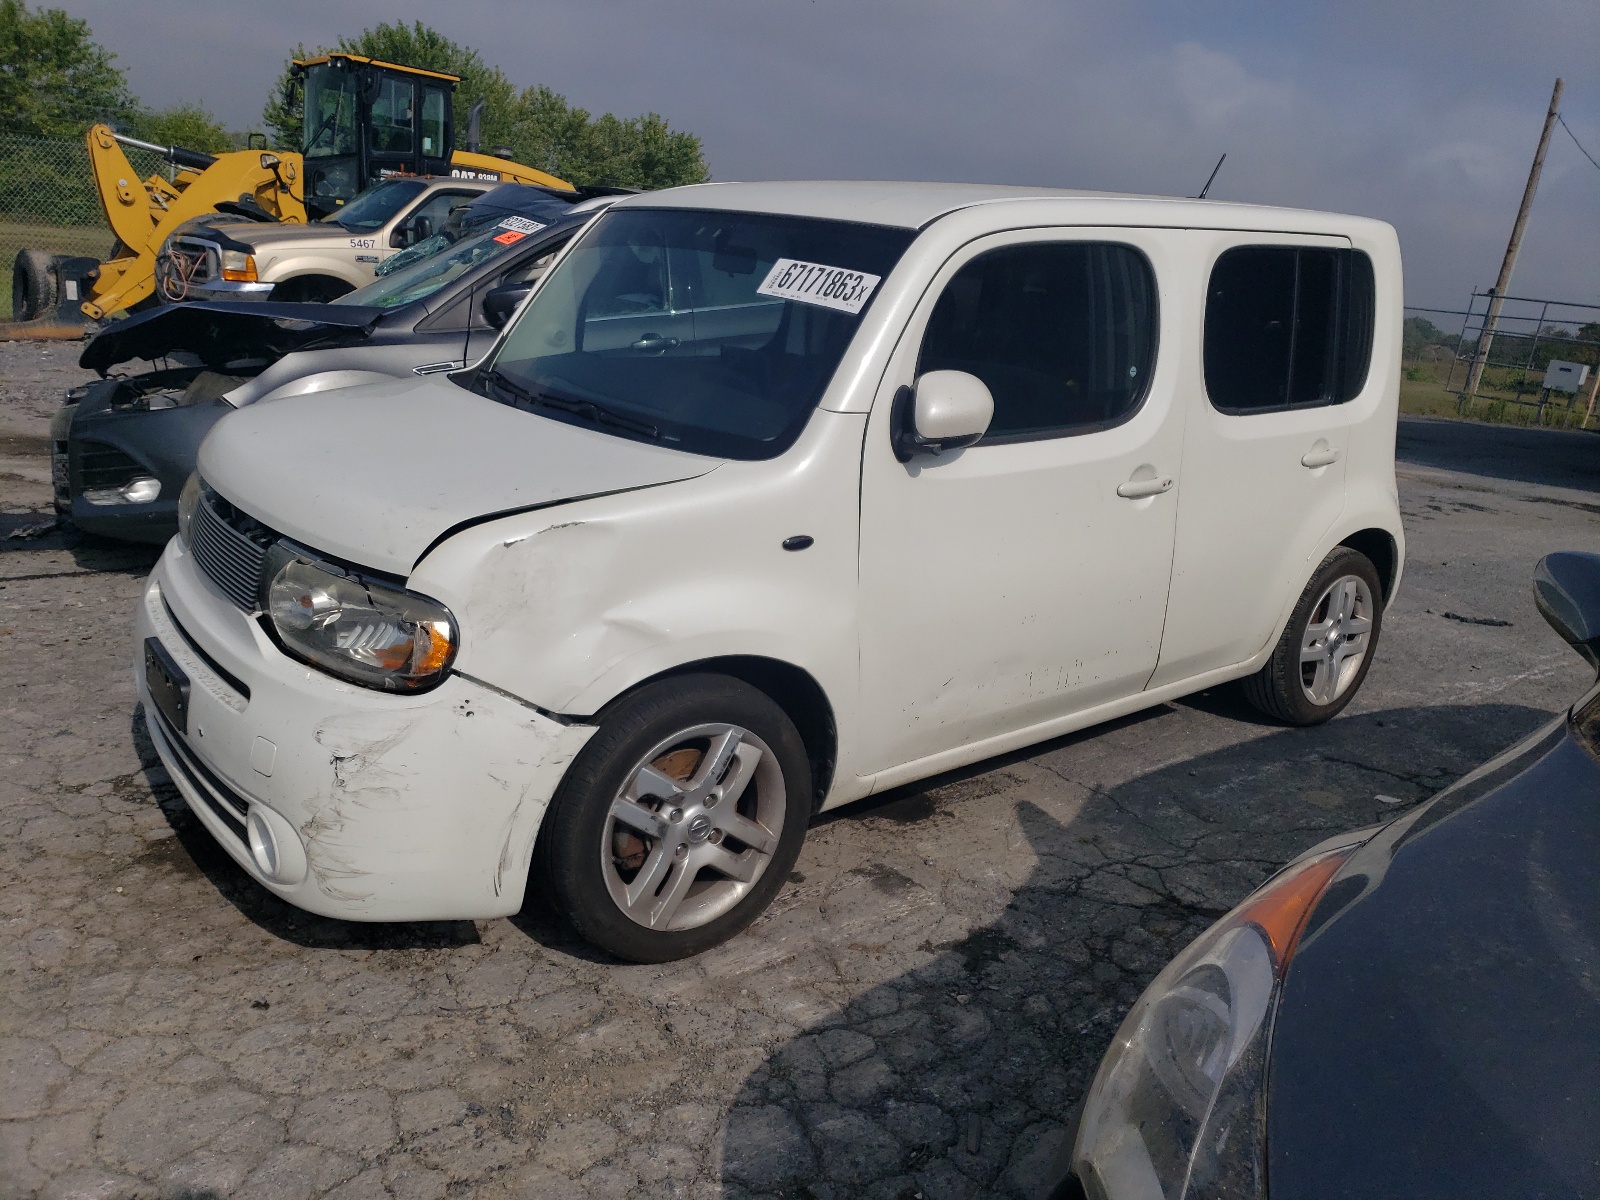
(275, 847)
(263, 845)
(140, 490)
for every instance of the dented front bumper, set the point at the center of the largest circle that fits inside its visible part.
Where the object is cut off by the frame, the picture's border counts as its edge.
(388, 808)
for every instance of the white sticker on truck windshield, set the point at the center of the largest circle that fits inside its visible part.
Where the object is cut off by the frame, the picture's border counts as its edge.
(817, 283)
(520, 225)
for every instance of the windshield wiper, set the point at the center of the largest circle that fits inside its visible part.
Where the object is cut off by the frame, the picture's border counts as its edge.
(597, 413)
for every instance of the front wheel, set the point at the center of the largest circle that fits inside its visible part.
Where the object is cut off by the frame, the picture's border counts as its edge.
(1327, 647)
(678, 821)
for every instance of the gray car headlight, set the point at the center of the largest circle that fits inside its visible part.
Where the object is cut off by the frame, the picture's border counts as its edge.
(359, 629)
(1178, 1108)
(188, 502)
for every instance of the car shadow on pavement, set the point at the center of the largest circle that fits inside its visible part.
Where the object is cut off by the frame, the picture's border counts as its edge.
(954, 1073)
(197, 850)
(1564, 458)
(43, 533)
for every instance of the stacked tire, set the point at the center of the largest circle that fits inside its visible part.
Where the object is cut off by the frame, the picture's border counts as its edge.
(33, 286)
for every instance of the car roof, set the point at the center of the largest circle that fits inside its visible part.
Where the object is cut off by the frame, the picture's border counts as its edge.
(915, 205)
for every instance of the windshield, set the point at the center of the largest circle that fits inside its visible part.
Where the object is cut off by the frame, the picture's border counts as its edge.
(373, 207)
(712, 332)
(330, 112)
(423, 279)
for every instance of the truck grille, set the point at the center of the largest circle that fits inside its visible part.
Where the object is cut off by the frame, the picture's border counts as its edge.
(230, 548)
(183, 263)
(103, 466)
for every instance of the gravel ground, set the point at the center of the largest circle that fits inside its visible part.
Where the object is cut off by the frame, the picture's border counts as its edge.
(915, 1016)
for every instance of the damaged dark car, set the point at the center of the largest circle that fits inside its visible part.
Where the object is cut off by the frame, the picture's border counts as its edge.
(123, 445)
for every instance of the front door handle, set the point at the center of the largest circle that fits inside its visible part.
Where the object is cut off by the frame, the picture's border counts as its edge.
(1320, 455)
(1138, 489)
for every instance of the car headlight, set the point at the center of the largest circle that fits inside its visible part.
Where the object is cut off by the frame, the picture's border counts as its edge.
(1178, 1107)
(238, 267)
(188, 501)
(359, 629)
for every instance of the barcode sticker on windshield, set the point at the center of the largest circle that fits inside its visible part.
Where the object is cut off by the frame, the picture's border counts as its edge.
(815, 283)
(520, 224)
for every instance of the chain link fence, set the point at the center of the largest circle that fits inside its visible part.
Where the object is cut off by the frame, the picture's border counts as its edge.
(48, 201)
(1529, 334)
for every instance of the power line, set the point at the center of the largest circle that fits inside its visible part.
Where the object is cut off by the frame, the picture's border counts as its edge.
(1575, 140)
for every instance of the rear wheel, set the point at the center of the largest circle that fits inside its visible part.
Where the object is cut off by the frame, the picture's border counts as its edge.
(1326, 649)
(679, 821)
(33, 285)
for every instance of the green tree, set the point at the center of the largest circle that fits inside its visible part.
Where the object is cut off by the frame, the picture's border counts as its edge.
(1419, 333)
(538, 125)
(641, 152)
(55, 79)
(186, 125)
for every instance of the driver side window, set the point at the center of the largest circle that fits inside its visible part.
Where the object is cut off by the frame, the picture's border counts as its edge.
(630, 283)
(1062, 333)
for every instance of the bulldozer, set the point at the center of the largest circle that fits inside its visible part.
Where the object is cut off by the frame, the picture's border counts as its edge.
(365, 121)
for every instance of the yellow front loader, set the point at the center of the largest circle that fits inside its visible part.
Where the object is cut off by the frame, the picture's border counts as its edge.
(365, 121)
(247, 184)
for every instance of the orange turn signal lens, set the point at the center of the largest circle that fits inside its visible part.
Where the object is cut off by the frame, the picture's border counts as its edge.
(433, 648)
(1280, 911)
(238, 267)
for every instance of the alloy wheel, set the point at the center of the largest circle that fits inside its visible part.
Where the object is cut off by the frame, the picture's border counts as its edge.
(1336, 639)
(694, 827)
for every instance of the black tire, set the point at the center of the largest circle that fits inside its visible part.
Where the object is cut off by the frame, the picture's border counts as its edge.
(1280, 689)
(33, 285)
(571, 864)
(310, 289)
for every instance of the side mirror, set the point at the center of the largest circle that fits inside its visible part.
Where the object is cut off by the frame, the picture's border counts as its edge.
(499, 303)
(421, 229)
(1566, 587)
(400, 238)
(945, 410)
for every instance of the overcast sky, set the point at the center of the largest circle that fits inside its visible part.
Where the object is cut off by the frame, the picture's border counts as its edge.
(1425, 114)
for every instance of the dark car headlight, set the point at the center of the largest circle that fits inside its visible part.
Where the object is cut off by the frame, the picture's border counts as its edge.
(188, 502)
(362, 630)
(1178, 1107)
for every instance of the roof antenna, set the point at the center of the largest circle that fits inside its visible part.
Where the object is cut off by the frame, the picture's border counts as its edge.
(1213, 178)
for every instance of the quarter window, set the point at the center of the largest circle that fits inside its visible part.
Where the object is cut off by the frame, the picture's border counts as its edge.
(1062, 333)
(1287, 327)
(433, 102)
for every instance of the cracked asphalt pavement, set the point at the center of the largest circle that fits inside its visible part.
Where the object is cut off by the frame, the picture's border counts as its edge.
(916, 1015)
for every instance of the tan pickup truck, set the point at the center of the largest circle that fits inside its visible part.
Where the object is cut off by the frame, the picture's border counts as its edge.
(317, 261)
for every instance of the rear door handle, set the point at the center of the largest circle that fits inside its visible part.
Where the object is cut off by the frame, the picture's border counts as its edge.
(1138, 489)
(1319, 456)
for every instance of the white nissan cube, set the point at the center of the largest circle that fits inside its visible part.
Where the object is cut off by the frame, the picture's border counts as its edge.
(770, 497)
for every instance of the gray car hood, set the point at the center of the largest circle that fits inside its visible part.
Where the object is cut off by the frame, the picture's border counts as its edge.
(375, 475)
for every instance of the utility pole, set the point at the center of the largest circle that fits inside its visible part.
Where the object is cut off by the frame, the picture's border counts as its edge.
(1497, 298)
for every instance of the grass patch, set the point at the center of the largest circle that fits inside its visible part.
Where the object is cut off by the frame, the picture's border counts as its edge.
(1423, 394)
(91, 240)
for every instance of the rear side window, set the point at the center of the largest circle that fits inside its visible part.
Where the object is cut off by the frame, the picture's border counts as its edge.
(1287, 327)
(1062, 333)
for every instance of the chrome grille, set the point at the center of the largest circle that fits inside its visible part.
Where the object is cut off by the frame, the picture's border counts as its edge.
(231, 549)
(185, 262)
